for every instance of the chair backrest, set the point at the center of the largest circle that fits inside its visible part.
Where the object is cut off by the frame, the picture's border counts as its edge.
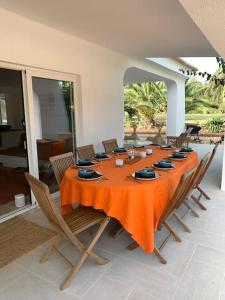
(45, 201)
(208, 162)
(60, 163)
(110, 145)
(187, 132)
(179, 195)
(179, 141)
(86, 152)
(198, 173)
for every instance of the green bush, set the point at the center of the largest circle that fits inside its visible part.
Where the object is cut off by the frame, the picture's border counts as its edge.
(215, 124)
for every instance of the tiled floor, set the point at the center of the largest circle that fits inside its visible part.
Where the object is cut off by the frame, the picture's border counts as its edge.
(195, 268)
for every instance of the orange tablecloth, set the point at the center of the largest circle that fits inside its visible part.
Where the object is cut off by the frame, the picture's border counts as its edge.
(138, 207)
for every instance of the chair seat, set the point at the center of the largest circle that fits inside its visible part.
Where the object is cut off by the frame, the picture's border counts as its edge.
(82, 218)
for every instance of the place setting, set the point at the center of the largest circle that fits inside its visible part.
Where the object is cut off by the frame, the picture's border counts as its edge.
(85, 163)
(119, 150)
(167, 147)
(90, 175)
(164, 165)
(101, 156)
(177, 156)
(144, 175)
(186, 150)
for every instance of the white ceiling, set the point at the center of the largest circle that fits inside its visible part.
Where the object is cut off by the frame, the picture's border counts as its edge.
(143, 28)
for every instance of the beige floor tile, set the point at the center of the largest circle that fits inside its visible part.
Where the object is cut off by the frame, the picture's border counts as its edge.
(210, 256)
(10, 273)
(200, 282)
(52, 270)
(88, 274)
(204, 238)
(141, 296)
(143, 279)
(29, 286)
(108, 289)
(176, 254)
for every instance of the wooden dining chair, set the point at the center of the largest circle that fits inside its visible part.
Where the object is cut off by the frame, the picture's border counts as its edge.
(178, 141)
(195, 177)
(67, 227)
(110, 145)
(201, 177)
(178, 196)
(86, 152)
(60, 163)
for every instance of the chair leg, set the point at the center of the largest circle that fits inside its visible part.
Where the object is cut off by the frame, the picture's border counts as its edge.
(194, 213)
(186, 228)
(197, 201)
(203, 193)
(116, 231)
(132, 246)
(55, 241)
(85, 254)
(159, 256)
(174, 234)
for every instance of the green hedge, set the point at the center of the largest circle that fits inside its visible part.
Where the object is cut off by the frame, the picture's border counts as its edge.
(195, 118)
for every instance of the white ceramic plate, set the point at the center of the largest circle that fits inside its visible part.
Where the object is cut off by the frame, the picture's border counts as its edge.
(91, 179)
(145, 179)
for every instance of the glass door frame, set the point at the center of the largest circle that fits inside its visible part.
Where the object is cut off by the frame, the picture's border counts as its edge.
(27, 74)
(45, 74)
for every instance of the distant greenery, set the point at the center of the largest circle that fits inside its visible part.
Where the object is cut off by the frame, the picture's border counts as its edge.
(146, 103)
(215, 124)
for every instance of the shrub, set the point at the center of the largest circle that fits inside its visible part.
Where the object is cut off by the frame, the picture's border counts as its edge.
(215, 124)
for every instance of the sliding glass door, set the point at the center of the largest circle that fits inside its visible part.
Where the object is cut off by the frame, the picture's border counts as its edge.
(54, 119)
(13, 144)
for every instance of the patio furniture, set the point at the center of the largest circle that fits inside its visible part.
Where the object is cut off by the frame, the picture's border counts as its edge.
(200, 169)
(60, 163)
(110, 145)
(201, 177)
(195, 131)
(86, 152)
(176, 200)
(178, 141)
(131, 202)
(67, 228)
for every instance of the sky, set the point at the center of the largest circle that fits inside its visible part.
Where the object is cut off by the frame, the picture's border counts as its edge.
(204, 64)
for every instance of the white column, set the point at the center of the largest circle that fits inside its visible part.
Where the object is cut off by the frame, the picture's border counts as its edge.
(223, 171)
(175, 107)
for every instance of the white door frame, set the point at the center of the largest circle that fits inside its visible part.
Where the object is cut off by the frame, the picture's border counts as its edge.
(31, 135)
(27, 74)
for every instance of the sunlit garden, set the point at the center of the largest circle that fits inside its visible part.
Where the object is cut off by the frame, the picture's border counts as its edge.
(145, 106)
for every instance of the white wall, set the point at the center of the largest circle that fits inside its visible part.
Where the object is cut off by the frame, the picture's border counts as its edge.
(101, 71)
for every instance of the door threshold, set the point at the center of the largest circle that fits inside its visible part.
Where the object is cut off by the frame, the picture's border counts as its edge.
(18, 212)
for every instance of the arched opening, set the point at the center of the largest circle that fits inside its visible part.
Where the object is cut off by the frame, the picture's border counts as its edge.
(145, 105)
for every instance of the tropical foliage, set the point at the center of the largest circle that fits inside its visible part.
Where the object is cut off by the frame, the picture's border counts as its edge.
(144, 102)
(215, 124)
(196, 98)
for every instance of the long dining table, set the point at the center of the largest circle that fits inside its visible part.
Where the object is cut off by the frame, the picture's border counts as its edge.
(137, 205)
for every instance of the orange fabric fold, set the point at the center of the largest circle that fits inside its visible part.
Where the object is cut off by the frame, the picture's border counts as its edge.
(137, 206)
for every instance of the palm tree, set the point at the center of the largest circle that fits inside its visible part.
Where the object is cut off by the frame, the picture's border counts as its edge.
(196, 99)
(217, 91)
(147, 99)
